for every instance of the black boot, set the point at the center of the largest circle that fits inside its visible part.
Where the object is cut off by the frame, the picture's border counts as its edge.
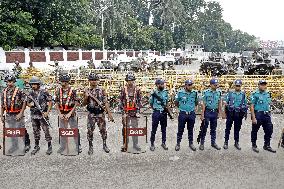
(164, 146)
(214, 145)
(27, 142)
(237, 146)
(13, 149)
(79, 142)
(36, 150)
(152, 147)
(123, 148)
(177, 148)
(201, 147)
(254, 148)
(105, 147)
(136, 147)
(27, 148)
(192, 147)
(269, 149)
(225, 145)
(49, 149)
(91, 150)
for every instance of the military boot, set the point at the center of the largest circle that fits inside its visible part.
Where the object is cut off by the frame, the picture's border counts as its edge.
(269, 149)
(192, 147)
(164, 146)
(214, 145)
(13, 149)
(135, 144)
(124, 148)
(152, 147)
(35, 150)
(105, 147)
(225, 145)
(201, 147)
(60, 150)
(91, 150)
(49, 149)
(237, 146)
(177, 148)
(255, 149)
(27, 148)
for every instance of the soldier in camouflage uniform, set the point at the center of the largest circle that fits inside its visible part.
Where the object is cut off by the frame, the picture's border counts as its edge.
(66, 101)
(17, 69)
(130, 104)
(13, 102)
(96, 112)
(45, 101)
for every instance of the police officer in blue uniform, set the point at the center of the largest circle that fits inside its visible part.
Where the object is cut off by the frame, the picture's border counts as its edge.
(186, 100)
(235, 111)
(261, 116)
(159, 115)
(211, 108)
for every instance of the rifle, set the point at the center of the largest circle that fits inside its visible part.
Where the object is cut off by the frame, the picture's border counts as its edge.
(39, 108)
(201, 131)
(146, 128)
(166, 109)
(281, 139)
(99, 103)
(4, 137)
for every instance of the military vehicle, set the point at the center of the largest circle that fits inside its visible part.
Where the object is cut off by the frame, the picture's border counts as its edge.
(258, 62)
(214, 65)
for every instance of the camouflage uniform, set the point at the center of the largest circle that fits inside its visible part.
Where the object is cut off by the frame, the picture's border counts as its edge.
(129, 97)
(96, 113)
(13, 108)
(66, 99)
(17, 70)
(61, 100)
(43, 98)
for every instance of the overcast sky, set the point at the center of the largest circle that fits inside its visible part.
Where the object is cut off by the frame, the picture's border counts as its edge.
(262, 18)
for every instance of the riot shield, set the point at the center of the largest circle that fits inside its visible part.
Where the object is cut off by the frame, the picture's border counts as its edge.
(14, 137)
(136, 134)
(68, 137)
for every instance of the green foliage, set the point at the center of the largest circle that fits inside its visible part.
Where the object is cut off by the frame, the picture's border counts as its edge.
(77, 23)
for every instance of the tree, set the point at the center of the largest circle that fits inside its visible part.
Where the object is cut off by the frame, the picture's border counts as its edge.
(16, 26)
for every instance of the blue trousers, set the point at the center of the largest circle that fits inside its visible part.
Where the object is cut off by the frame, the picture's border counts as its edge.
(264, 120)
(184, 119)
(210, 117)
(236, 118)
(159, 117)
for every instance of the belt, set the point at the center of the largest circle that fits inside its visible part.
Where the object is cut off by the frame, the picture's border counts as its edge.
(211, 110)
(187, 113)
(264, 112)
(161, 111)
(12, 113)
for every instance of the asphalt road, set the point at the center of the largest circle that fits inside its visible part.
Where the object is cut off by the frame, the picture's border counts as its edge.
(159, 169)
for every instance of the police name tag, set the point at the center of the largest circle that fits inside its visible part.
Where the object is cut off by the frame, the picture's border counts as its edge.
(15, 132)
(136, 131)
(68, 132)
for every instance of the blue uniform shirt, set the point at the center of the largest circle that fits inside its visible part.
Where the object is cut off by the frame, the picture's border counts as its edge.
(187, 100)
(236, 99)
(261, 100)
(211, 99)
(158, 105)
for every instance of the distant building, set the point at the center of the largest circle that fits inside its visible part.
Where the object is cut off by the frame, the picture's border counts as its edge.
(194, 48)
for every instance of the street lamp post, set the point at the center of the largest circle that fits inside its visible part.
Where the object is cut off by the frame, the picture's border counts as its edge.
(103, 38)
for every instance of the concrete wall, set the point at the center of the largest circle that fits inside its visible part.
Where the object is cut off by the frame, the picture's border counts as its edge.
(66, 58)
